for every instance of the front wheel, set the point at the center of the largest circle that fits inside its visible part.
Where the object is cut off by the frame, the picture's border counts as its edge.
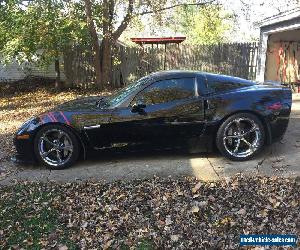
(56, 147)
(240, 137)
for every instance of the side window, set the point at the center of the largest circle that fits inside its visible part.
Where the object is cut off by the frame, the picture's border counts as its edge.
(166, 91)
(221, 86)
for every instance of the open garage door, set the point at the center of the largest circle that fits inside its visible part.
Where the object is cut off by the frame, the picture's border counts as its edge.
(283, 58)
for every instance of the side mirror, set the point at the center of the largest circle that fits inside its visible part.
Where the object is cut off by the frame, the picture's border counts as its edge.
(138, 108)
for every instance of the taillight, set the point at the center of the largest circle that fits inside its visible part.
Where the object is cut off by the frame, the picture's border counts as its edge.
(275, 106)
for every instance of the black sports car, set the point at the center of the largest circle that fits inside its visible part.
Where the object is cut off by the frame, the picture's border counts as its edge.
(177, 108)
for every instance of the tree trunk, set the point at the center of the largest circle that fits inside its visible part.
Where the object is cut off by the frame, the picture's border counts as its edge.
(103, 61)
(106, 63)
(110, 37)
(68, 57)
(58, 83)
(97, 64)
(95, 42)
(107, 41)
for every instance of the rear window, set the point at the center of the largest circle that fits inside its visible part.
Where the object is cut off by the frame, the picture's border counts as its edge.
(223, 85)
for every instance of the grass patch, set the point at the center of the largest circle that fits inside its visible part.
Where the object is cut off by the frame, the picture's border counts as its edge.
(28, 218)
(145, 244)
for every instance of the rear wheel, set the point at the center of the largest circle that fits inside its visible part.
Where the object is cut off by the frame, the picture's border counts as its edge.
(56, 147)
(240, 137)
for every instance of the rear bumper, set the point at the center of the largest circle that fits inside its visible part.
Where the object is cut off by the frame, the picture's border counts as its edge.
(279, 125)
(278, 129)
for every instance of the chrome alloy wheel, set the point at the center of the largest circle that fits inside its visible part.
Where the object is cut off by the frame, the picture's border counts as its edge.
(55, 147)
(242, 137)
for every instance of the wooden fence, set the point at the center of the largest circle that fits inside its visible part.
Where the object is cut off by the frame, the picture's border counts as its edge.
(237, 59)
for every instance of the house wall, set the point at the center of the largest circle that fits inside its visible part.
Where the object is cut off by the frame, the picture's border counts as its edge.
(14, 72)
(46, 72)
(11, 72)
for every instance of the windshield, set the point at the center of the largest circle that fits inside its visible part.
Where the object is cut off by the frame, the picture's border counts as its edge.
(123, 93)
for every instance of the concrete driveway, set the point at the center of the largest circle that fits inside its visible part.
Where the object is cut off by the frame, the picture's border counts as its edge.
(280, 159)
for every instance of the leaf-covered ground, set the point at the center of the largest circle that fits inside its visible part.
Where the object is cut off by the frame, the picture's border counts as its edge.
(147, 214)
(19, 106)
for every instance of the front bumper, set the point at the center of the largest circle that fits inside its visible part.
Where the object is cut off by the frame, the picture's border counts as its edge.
(25, 152)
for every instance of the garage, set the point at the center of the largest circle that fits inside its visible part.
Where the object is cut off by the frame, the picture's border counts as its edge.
(279, 57)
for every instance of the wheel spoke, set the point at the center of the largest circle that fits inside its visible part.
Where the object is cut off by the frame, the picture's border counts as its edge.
(47, 140)
(45, 154)
(237, 146)
(60, 135)
(58, 155)
(238, 125)
(246, 142)
(231, 136)
(68, 148)
(254, 128)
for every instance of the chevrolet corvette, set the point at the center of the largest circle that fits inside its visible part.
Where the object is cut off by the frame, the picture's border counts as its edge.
(163, 109)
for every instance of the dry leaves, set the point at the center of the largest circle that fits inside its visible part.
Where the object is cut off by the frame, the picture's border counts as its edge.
(195, 209)
(153, 213)
(196, 188)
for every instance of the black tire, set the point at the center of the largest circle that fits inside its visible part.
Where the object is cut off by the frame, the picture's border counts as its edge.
(40, 143)
(223, 138)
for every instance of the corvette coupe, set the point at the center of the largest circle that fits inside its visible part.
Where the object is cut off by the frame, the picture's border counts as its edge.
(168, 108)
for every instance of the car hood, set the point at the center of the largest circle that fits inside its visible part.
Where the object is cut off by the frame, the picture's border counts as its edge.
(80, 104)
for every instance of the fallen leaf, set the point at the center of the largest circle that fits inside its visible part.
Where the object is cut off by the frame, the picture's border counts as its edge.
(264, 212)
(242, 211)
(107, 244)
(211, 198)
(271, 200)
(62, 247)
(202, 203)
(168, 221)
(175, 237)
(84, 225)
(197, 187)
(294, 203)
(195, 209)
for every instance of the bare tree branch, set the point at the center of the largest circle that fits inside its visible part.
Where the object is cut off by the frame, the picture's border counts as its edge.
(125, 21)
(174, 6)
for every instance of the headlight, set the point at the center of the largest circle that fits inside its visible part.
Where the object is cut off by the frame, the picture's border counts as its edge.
(26, 125)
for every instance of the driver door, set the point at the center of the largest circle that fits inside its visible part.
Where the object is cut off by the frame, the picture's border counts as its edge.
(172, 112)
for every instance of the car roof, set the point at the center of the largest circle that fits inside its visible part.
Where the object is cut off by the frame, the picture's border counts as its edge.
(167, 74)
(226, 78)
(173, 73)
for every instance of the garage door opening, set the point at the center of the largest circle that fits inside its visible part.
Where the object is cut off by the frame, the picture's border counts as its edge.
(283, 58)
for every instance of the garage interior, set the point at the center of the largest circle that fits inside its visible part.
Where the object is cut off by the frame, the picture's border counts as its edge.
(283, 58)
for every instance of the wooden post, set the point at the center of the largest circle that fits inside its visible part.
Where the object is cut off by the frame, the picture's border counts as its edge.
(57, 74)
(165, 56)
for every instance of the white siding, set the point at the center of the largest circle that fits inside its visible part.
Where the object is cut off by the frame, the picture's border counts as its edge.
(47, 73)
(11, 72)
(14, 72)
